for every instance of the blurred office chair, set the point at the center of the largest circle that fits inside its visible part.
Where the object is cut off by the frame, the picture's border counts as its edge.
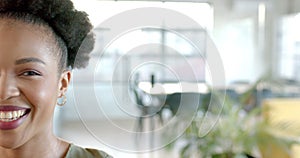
(148, 111)
(187, 100)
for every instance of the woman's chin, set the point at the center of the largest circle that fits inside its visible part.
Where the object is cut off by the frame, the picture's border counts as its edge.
(8, 144)
(10, 140)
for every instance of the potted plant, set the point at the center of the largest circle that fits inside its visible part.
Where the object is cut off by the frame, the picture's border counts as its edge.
(239, 133)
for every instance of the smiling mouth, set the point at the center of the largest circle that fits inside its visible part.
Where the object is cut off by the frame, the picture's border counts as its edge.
(12, 117)
(8, 116)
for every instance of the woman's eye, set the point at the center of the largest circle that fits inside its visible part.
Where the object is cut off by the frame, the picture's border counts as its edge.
(31, 73)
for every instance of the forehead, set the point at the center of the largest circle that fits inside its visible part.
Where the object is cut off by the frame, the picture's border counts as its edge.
(19, 39)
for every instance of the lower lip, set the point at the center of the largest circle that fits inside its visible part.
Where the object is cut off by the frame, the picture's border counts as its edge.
(13, 124)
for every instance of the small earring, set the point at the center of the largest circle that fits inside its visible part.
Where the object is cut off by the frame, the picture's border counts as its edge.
(62, 100)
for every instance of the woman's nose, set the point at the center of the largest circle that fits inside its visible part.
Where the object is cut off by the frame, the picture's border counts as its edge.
(8, 87)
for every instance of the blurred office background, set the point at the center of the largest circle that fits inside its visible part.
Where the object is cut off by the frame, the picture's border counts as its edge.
(254, 38)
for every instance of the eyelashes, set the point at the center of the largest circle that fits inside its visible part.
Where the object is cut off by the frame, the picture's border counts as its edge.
(30, 73)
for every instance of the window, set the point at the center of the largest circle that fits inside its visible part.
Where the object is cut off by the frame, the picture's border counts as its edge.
(163, 52)
(289, 48)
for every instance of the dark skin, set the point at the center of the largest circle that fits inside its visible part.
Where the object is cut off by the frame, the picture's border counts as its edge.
(30, 78)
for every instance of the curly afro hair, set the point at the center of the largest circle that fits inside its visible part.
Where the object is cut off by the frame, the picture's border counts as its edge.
(71, 27)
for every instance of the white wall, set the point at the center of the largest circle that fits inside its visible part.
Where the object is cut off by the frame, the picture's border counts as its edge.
(242, 58)
(245, 55)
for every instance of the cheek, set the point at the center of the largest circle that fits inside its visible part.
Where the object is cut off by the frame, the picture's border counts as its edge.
(41, 94)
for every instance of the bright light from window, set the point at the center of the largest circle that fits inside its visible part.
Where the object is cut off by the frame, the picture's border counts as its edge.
(99, 11)
(261, 14)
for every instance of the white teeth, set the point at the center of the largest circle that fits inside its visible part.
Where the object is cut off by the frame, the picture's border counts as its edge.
(15, 114)
(22, 112)
(19, 113)
(2, 115)
(7, 116)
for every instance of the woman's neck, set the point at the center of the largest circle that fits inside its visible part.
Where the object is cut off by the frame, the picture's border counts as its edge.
(44, 145)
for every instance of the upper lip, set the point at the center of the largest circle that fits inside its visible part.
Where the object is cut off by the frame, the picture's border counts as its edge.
(12, 108)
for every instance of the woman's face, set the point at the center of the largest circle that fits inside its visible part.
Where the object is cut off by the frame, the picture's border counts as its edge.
(29, 83)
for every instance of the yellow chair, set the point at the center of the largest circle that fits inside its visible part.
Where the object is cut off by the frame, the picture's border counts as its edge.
(284, 112)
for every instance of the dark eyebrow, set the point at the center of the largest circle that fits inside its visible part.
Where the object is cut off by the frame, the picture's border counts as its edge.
(28, 60)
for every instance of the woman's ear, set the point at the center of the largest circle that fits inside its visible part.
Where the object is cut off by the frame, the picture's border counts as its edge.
(64, 82)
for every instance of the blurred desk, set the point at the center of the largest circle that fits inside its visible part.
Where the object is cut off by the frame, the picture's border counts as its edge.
(170, 88)
(172, 95)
